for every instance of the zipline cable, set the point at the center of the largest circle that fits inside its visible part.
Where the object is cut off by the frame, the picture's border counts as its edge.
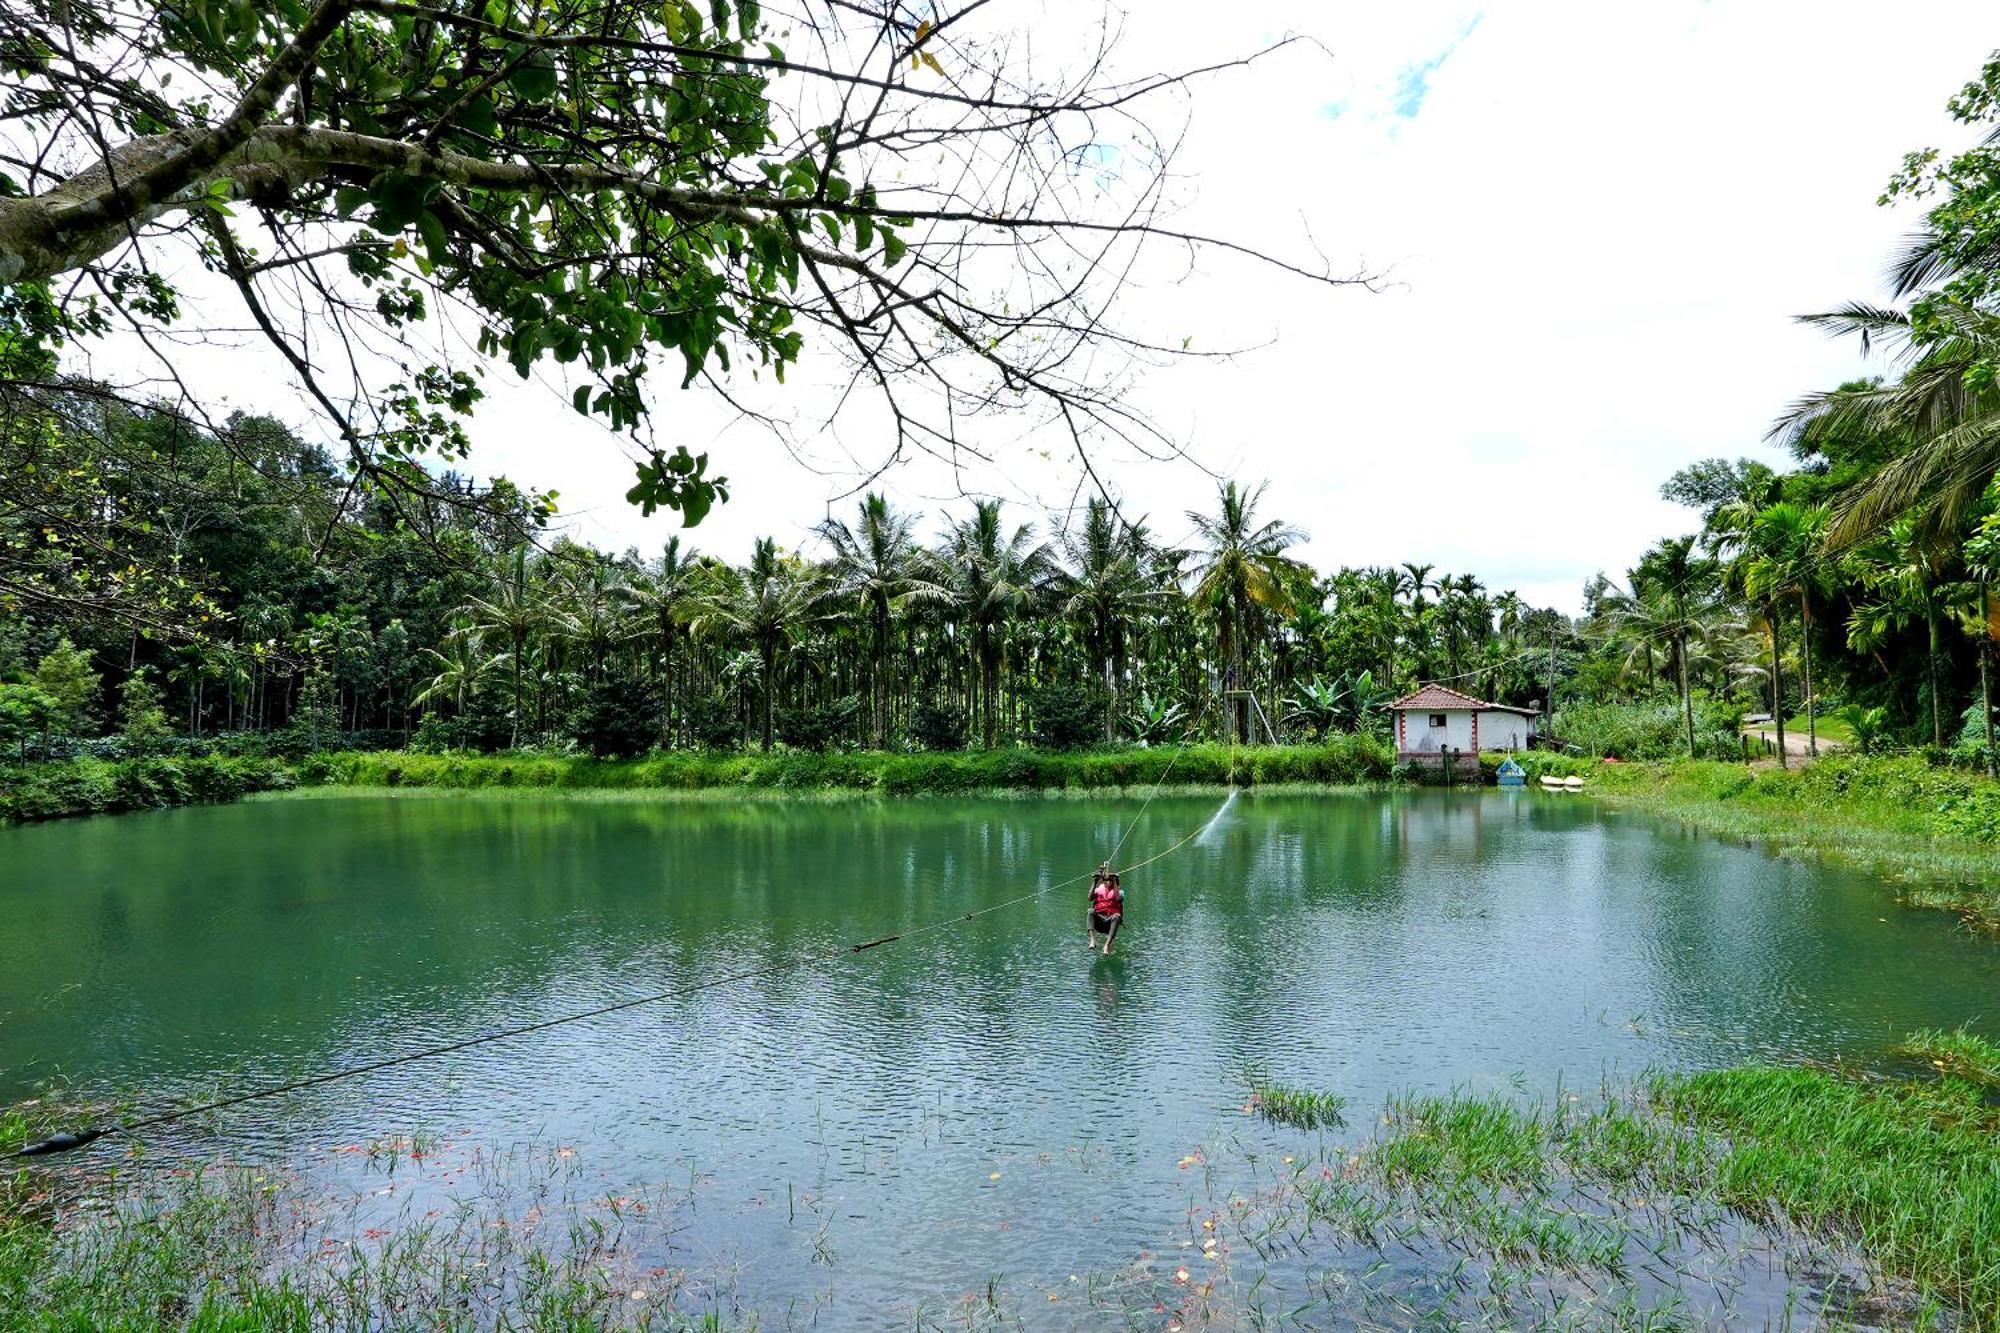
(1167, 772)
(60, 1143)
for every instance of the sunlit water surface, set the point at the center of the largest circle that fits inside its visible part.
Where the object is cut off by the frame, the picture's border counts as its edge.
(982, 1102)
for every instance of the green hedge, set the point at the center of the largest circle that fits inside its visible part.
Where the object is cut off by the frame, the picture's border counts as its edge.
(1346, 759)
(100, 786)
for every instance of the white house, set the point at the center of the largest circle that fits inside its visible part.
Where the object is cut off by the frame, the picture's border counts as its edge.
(1435, 722)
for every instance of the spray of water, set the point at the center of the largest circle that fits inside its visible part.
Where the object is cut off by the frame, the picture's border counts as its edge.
(1209, 827)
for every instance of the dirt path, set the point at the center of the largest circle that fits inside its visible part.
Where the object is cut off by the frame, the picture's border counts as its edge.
(1796, 742)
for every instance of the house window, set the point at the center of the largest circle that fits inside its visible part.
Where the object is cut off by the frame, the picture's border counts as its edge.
(1437, 719)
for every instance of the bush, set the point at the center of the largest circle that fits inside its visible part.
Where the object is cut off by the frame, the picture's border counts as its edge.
(1345, 759)
(621, 717)
(937, 726)
(1655, 730)
(96, 786)
(819, 729)
(1066, 717)
(712, 723)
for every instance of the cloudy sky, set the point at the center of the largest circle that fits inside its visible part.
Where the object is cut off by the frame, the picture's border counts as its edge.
(1595, 221)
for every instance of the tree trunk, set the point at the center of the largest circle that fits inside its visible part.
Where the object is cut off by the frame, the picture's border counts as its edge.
(1777, 689)
(1986, 699)
(1937, 718)
(769, 653)
(515, 743)
(1687, 691)
(1805, 655)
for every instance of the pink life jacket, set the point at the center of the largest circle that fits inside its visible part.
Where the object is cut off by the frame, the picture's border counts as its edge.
(1104, 900)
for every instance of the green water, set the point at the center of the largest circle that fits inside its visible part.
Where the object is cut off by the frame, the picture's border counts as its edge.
(984, 1102)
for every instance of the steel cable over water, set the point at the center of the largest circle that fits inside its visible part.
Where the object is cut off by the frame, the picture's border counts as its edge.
(67, 1142)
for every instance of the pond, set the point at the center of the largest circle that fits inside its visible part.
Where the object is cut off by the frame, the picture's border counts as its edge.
(982, 1102)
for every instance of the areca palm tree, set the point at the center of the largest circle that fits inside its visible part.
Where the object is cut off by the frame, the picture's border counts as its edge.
(875, 562)
(992, 575)
(1905, 587)
(1104, 589)
(1240, 566)
(1680, 577)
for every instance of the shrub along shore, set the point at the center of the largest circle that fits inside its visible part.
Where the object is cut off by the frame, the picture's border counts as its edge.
(1934, 831)
(112, 786)
(1345, 761)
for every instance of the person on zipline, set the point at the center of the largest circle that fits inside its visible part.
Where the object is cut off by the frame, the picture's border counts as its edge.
(1107, 907)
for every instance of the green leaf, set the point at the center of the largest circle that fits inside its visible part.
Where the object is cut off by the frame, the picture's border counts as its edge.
(581, 399)
(431, 228)
(536, 80)
(893, 248)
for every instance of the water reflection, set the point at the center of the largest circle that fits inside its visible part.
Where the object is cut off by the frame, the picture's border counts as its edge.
(1357, 942)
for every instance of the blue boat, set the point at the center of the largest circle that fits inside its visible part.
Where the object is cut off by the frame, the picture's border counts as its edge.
(1512, 774)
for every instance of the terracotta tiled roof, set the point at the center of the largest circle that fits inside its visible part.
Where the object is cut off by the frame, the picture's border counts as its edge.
(1436, 697)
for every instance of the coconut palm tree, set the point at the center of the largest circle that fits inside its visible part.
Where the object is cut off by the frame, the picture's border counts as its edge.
(513, 611)
(1789, 538)
(1941, 416)
(992, 576)
(1239, 567)
(662, 601)
(765, 605)
(461, 663)
(1104, 589)
(875, 562)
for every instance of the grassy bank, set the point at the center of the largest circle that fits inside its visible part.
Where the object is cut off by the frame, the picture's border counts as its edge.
(1347, 759)
(97, 786)
(1934, 831)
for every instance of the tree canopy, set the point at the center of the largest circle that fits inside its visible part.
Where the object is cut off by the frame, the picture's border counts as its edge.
(399, 192)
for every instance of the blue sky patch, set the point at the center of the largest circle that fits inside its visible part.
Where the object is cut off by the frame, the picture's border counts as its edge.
(1413, 82)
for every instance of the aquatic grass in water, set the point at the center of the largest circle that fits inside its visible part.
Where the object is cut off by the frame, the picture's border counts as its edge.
(1910, 1169)
(231, 1247)
(1958, 1053)
(1296, 1107)
(1761, 1197)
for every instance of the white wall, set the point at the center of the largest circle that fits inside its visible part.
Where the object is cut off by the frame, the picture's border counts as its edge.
(1504, 731)
(1497, 731)
(1420, 737)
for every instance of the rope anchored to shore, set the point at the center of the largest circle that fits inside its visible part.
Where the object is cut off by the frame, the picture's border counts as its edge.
(69, 1142)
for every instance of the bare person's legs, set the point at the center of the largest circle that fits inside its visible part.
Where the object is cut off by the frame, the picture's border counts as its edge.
(1112, 934)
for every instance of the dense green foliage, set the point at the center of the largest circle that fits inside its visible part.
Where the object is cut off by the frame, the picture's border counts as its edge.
(1349, 759)
(98, 786)
(330, 614)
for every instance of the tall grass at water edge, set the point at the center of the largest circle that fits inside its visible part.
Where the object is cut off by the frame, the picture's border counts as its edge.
(1935, 831)
(1343, 760)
